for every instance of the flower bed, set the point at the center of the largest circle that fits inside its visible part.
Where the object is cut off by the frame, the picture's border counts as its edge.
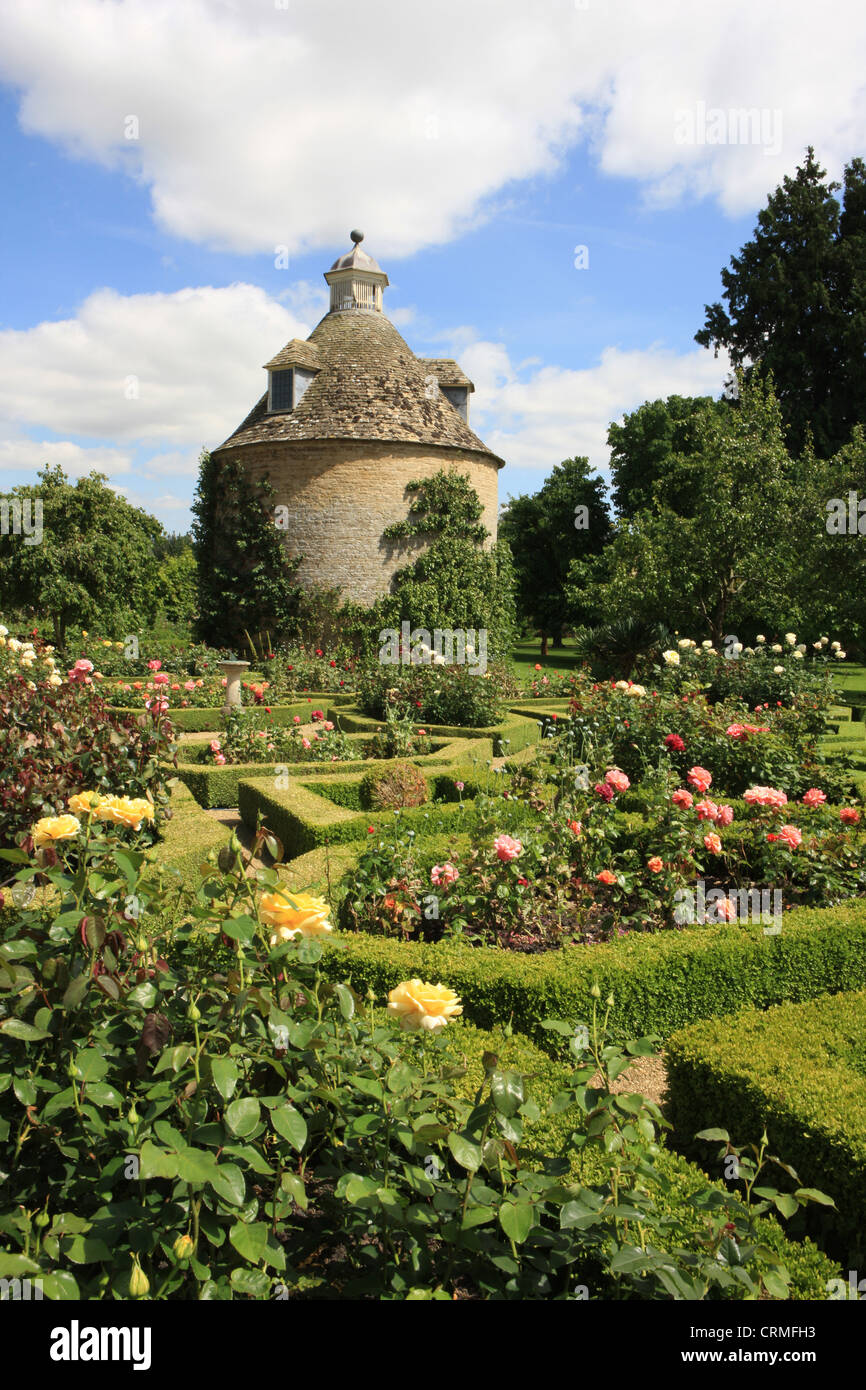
(212, 719)
(659, 982)
(218, 785)
(800, 1070)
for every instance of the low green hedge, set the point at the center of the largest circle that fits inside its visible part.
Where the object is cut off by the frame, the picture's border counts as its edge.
(660, 981)
(307, 813)
(514, 732)
(218, 786)
(799, 1069)
(809, 1268)
(198, 719)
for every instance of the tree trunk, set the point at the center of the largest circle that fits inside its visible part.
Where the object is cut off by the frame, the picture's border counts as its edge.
(544, 641)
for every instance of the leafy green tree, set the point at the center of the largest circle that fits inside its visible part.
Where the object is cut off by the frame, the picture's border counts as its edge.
(643, 447)
(245, 575)
(727, 559)
(566, 520)
(454, 582)
(796, 304)
(94, 563)
(177, 579)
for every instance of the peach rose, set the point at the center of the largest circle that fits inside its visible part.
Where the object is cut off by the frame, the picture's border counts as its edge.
(52, 828)
(84, 803)
(417, 1004)
(125, 810)
(700, 779)
(713, 843)
(295, 914)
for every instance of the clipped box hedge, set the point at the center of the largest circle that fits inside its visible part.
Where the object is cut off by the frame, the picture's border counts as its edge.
(660, 981)
(201, 719)
(809, 1268)
(218, 786)
(308, 812)
(799, 1069)
(511, 734)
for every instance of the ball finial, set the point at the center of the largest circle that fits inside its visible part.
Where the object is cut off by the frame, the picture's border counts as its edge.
(356, 236)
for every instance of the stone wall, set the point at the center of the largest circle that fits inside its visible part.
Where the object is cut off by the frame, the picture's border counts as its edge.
(341, 494)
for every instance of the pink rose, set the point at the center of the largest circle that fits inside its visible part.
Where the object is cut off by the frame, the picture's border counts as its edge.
(791, 835)
(700, 779)
(726, 910)
(154, 665)
(189, 685)
(617, 779)
(713, 843)
(443, 875)
(682, 798)
(725, 815)
(506, 848)
(814, 797)
(306, 743)
(160, 680)
(765, 796)
(707, 810)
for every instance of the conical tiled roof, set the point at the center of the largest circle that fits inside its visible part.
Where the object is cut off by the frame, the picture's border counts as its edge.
(369, 385)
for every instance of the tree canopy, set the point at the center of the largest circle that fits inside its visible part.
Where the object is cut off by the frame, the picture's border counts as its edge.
(94, 563)
(796, 304)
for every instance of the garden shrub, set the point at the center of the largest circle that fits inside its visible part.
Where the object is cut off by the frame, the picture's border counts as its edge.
(798, 1069)
(660, 981)
(58, 737)
(400, 784)
(200, 1097)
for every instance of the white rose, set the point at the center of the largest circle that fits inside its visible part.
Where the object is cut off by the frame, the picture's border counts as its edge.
(775, 647)
(841, 655)
(760, 637)
(779, 670)
(706, 646)
(4, 631)
(801, 647)
(684, 643)
(737, 647)
(55, 680)
(790, 638)
(671, 658)
(798, 656)
(835, 646)
(816, 646)
(14, 645)
(824, 641)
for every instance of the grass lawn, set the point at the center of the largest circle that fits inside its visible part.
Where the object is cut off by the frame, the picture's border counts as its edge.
(525, 655)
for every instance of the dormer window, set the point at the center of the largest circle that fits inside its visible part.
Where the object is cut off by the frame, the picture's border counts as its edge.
(280, 390)
(459, 398)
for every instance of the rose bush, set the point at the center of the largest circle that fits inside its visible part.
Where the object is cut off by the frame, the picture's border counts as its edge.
(189, 1110)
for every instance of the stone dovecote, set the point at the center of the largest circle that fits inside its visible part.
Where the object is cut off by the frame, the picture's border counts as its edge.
(349, 418)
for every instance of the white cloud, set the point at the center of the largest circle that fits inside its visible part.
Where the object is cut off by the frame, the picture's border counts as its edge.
(556, 413)
(29, 455)
(168, 369)
(261, 127)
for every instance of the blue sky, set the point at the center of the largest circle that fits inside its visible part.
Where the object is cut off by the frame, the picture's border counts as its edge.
(139, 291)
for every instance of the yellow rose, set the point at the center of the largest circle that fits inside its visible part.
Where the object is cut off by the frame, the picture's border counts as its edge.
(106, 644)
(84, 803)
(55, 680)
(299, 914)
(83, 633)
(51, 828)
(119, 646)
(125, 810)
(418, 1004)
